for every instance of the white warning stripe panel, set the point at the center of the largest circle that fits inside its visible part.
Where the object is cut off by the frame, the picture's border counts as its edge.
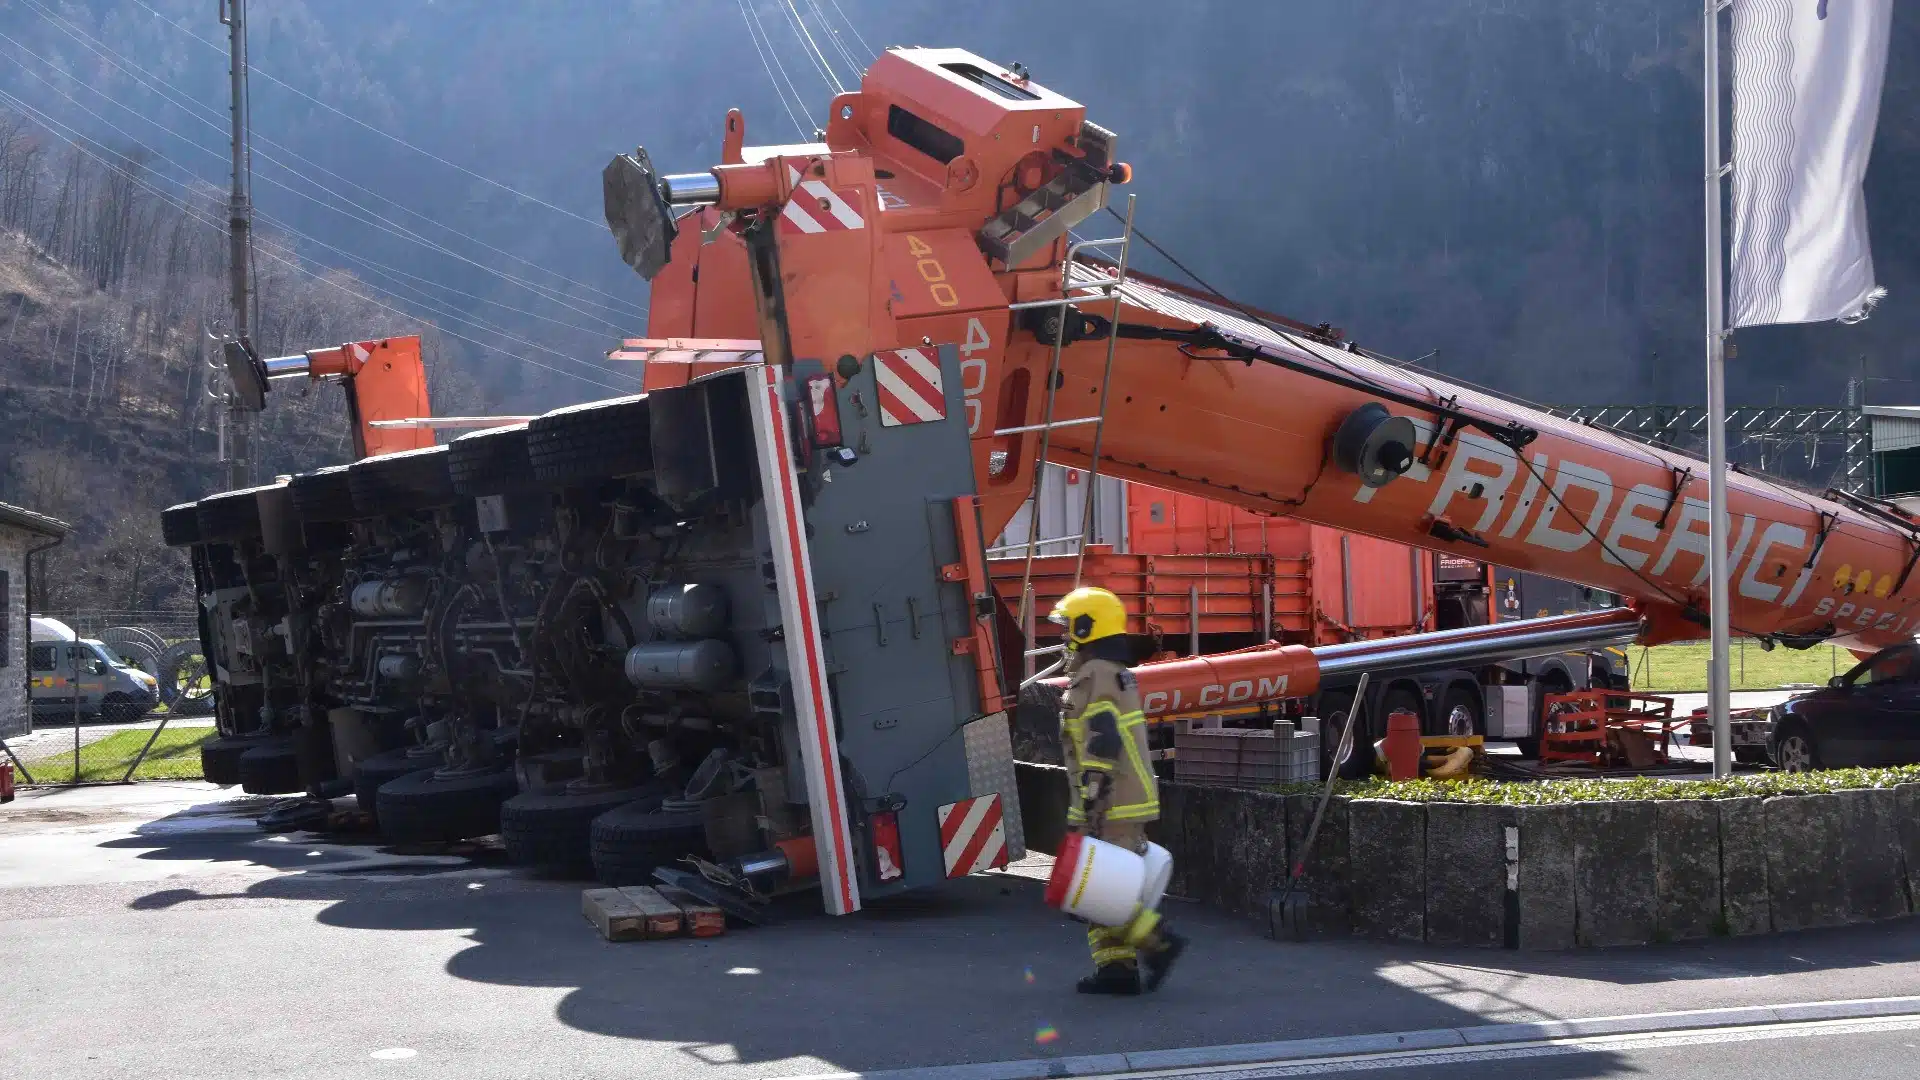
(911, 389)
(797, 216)
(973, 835)
(806, 656)
(842, 211)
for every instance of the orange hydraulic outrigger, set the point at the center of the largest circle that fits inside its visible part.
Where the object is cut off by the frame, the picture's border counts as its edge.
(937, 211)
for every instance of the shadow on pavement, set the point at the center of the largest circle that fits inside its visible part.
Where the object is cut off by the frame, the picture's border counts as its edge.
(969, 973)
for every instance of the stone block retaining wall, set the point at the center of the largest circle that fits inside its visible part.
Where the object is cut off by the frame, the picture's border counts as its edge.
(1538, 877)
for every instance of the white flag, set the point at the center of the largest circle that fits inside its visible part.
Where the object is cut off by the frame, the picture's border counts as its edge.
(1806, 96)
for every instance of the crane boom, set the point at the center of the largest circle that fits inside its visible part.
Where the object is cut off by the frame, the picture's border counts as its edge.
(937, 211)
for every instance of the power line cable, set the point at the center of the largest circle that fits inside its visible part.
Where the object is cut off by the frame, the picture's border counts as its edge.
(290, 88)
(799, 98)
(784, 103)
(156, 85)
(130, 168)
(864, 47)
(812, 49)
(368, 216)
(833, 36)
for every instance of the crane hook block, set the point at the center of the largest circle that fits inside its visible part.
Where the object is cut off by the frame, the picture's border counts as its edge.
(1373, 444)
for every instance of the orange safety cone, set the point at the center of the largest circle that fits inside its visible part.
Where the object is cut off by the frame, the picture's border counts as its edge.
(1402, 747)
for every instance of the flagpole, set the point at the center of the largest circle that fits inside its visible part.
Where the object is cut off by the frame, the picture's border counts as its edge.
(1718, 695)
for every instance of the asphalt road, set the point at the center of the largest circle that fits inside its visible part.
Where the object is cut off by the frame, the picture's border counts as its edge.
(147, 932)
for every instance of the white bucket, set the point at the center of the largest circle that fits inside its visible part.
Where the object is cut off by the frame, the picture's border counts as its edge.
(1105, 884)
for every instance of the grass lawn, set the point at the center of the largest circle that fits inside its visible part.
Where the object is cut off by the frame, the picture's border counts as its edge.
(1682, 668)
(175, 756)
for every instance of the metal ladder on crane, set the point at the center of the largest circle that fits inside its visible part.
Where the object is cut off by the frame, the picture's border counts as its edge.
(1108, 285)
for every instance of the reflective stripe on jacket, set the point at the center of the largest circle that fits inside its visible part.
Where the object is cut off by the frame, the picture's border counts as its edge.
(1104, 729)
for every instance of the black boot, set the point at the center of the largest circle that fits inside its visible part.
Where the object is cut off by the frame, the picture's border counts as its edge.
(1159, 961)
(1115, 978)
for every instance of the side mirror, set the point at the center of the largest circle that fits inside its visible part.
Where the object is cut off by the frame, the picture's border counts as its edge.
(1838, 682)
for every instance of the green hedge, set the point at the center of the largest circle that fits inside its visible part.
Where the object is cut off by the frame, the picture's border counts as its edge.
(1545, 792)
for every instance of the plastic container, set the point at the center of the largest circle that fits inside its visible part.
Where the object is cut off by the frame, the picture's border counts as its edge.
(1105, 884)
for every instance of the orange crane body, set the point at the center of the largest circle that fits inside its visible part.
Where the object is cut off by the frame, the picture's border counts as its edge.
(1207, 398)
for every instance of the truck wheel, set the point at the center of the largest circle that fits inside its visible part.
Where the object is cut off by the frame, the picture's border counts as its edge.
(1459, 712)
(180, 525)
(220, 759)
(401, 483)
(491, 462)
(323, 495)
(371, 774)
(423, 808)
(230, 515)
(1036, 725)
(630, 843)
(271, 768)
(550, 831)
(591, 441)
(116, 709)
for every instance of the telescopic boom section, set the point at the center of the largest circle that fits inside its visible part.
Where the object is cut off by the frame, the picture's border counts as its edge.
(940, 203)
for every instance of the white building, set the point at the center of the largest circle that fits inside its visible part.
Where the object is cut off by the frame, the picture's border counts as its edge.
(22, 533)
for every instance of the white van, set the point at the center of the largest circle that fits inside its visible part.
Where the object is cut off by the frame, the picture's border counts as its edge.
(71, 674)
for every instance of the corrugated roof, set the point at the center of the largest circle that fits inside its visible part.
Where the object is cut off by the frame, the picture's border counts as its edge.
(21, 518)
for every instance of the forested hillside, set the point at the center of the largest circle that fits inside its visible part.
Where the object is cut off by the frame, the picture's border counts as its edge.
(1508, 188)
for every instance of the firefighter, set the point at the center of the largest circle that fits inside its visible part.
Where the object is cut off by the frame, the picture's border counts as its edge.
(1115, 795)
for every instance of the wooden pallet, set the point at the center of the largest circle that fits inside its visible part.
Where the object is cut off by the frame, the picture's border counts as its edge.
(641, 912)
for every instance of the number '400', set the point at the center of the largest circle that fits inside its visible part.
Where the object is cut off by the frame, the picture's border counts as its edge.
(932, 272)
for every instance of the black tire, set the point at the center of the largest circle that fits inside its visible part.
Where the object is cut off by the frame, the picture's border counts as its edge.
(1460, 712)
(1794, 750)
(121, 709)
(271, 768)
(630, 843)
(230, 515)
(550, 831)
(220, 759)
(323, 495)
(401, 483)
(597, 440)
(371, 774)
(180, 525)
(422, 808)
(491, 462)
(313, 747)
(1036, 725)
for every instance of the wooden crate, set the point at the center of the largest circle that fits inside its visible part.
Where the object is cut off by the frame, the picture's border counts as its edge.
(632, 913)
(701, 918)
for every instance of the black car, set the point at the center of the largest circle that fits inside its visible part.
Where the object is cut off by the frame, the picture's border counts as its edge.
(1869, 716)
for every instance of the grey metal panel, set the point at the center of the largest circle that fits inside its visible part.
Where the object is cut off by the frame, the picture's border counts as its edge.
(879, 531)
(1895, 433)
(990, 769)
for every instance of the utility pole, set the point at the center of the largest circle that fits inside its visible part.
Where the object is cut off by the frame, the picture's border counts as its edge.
(1719, 692)
(239, 456)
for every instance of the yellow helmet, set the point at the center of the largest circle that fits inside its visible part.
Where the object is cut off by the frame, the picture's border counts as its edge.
(1089, 614)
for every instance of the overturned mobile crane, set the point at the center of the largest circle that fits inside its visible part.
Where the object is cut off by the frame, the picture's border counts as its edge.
(770, 566)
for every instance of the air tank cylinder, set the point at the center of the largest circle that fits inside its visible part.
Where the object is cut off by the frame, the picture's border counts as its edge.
(681, 665)
(687, 611)
(392, 598)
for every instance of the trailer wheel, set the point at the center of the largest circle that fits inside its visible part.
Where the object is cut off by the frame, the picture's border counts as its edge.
(549, 831)
(180, 525)
(628, 844)
(401, 483)
(323, 495)
(230, 515)
(271, 768)
(591, 441)
(371, 774)
(424, 807)
(1460, 712)
(491, 462)
(220, 759)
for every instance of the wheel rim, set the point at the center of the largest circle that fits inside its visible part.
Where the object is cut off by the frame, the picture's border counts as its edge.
(1795, 754)
(1460, 720)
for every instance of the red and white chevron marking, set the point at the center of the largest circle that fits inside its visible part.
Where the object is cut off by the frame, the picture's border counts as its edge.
(910, 388)
(817, 208)
(973, 835)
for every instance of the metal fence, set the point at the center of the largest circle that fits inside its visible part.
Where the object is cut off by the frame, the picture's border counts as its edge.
(129, 700)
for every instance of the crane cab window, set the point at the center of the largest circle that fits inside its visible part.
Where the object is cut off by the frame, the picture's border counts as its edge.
(923, 135)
